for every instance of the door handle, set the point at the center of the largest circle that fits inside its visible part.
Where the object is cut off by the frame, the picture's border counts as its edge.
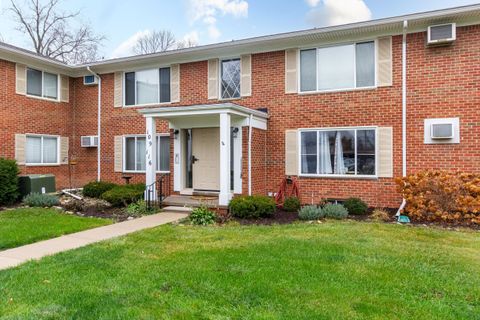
(194, 159)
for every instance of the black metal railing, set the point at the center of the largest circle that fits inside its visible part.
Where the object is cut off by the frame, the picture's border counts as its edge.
(156, 192)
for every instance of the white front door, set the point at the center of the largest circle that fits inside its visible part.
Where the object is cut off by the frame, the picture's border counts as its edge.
(206, 159)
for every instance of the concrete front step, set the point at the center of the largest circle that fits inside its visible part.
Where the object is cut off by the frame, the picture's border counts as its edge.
(177, 209)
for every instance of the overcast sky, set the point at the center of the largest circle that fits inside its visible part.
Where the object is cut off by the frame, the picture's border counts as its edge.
(209, 21)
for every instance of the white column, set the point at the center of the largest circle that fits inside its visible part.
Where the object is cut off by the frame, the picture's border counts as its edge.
(150, 156)
(225, 190)
(178, 176)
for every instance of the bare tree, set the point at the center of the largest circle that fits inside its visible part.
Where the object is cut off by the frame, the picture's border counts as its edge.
(156, 41)
(52, 34)
(187, 43)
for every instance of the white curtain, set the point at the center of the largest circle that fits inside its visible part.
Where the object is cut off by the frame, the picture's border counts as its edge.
(34, 150)
(339, 165)
(49, 150)
(325, 165)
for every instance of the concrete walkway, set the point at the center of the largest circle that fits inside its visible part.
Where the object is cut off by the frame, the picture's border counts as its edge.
(13, 257)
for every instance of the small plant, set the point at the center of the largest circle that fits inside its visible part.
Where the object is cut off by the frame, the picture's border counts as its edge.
(355, 206)
(8, 181)
(252, 207)
(291, 204)
(202, 216)
(335, 211)
(95, 189)
(123, 195)
(310, 213)
(40, 200)
(139, 208)
(380, 215)
(223, 216)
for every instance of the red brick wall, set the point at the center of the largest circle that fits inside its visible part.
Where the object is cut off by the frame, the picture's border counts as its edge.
(442, 82)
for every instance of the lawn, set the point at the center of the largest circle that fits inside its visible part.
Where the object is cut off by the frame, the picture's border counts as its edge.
(28, 225)
(334, 270)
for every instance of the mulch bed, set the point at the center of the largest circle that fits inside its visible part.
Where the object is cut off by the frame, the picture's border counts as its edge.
(280, 217)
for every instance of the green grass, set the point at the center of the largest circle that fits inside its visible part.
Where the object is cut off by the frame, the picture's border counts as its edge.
(27, 225)
(336, 270)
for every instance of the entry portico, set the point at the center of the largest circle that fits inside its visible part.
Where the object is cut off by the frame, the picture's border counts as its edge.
(207, 146)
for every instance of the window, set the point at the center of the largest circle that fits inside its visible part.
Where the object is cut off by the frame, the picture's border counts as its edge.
(338, 67)
(230, 78)
(147, 87)
(134, 155)
(42, 150)
(42, 84)
(338, 152)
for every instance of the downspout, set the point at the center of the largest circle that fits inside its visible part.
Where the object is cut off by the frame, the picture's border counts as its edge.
(404, 108)
(99, 122)
(250, 155)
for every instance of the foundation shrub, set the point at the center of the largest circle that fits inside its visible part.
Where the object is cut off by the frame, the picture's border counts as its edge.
(252, 207)
(95, 189)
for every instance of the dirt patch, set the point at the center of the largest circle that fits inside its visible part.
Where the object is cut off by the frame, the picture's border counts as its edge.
(280, 217)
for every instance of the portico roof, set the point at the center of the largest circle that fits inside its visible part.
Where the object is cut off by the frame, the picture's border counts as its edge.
(202, 109)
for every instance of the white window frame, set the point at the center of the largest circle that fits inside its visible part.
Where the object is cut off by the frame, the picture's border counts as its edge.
(354, 88)
(40, 164)
(124, 93)
(453, 38)
(220, 77)
(343, 176)
(124, 155)
(42, 97)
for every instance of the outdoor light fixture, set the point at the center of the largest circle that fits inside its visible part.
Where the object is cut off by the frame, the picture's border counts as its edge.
(235, 132)
(175, 133)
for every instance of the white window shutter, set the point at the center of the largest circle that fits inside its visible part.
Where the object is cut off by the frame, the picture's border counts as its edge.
(118, 153)
(118, 90)
(64, 88)
(21, 79)
(246, 75)
(384, 62)
(64, 150)
(385, 152)
(213, 74)
(175, 83)
(291, 152)
(291, 72)
(20, 145)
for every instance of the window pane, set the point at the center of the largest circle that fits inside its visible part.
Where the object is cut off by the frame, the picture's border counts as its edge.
(129, 88)
(308, 70)
(34, 82)
(335, 67)
(33, 152)
(309, 152)
(366, 152)
(163, 153)
(130, 153)
(230, 78)
(50, 85)
(140, 159)
(147, 86)
(343, 157)
(49, 150)
(365, 56)
(165, 85)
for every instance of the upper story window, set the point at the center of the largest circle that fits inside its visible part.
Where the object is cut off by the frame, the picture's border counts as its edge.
(42, 149)
(230, 79)
(42, 84)
(338, 67)
(338, 152)
(147, 87)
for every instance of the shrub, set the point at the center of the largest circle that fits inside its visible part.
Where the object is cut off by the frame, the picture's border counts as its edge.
(8, 181)
(380, 215)
(355, 206)
(95, 189)
(291, 204)
(310, 213)
(442, 196)
(40, 200)
(335, 211)
(252, 207)
(139, 208)
(123, 195)
(202, 216)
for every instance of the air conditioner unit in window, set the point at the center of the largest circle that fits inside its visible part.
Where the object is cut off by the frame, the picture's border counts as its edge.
(90, 80)
(89, 141)
(442, 34)
(441, 131)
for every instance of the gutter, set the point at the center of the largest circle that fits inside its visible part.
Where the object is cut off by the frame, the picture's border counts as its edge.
(99, 121)
(404, 108)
